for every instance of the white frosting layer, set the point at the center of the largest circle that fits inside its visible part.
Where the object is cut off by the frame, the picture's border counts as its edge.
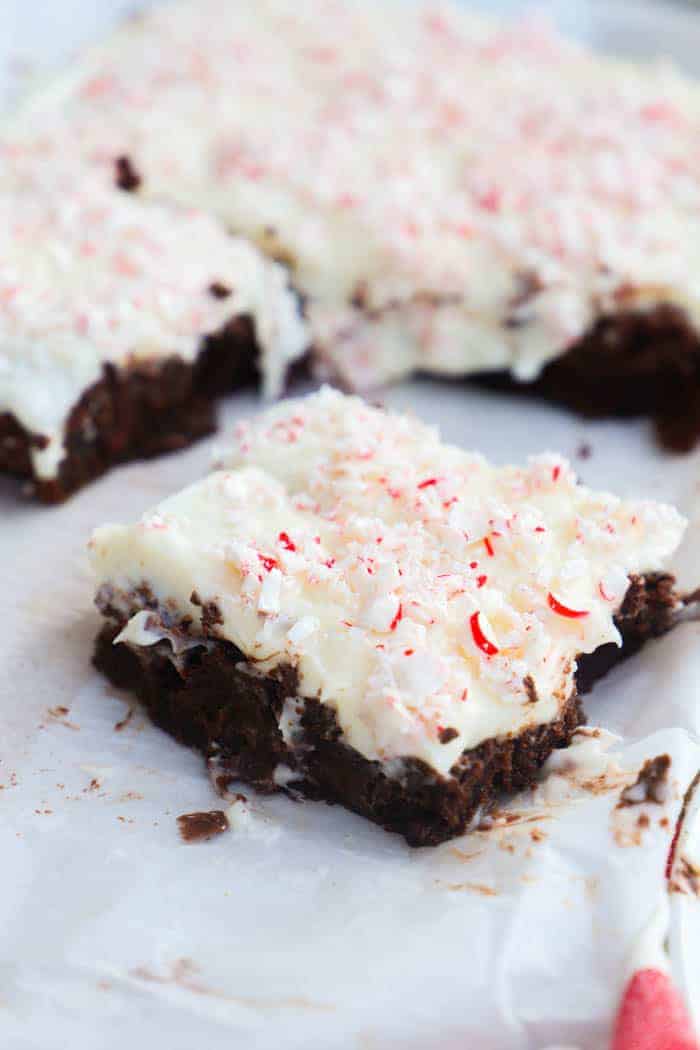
(416, 588)
(484, 189)
(89, 275)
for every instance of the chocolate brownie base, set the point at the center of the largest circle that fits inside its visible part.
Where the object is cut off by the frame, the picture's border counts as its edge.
(649, 610)
(138, 412)
(635, 363)
(210, 698)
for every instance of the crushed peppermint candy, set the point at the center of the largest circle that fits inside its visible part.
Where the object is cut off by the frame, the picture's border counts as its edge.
(406, 636)
(90, 277)
(410, 179)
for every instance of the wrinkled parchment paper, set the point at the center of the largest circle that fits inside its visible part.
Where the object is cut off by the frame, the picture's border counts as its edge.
(304, 926)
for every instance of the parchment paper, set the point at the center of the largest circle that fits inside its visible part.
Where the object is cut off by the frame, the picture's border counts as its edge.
(305, 926)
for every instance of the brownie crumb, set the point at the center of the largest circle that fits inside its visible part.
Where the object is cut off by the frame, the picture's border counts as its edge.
(127, 177)
(219, 290)
(200, 827)
(448, 734)
(651, 785)
(123, 722)
(211, 613)
(687, 879)
(530, 689)
(528, 285)
(360, 298)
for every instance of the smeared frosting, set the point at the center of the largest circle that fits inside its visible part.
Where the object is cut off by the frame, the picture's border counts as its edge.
(433, 600)
(90, 276)
(455, 194)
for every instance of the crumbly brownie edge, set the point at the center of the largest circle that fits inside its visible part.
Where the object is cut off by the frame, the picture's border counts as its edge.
(649, 610)
(141, 411)
(211, 698)
(631, 363)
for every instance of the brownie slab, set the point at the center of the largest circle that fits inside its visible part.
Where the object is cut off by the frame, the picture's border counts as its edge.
(644, 363)
(548, 235)
(136, 413)
(350, 609)
(120, 325)
(210, 698)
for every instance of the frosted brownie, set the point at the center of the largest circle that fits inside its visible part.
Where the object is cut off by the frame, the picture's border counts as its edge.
(119, 323)
(350, 609)
(457, 196)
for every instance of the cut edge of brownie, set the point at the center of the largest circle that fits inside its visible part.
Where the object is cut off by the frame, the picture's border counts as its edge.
(145, 409)
(210, 697)
(630, 363)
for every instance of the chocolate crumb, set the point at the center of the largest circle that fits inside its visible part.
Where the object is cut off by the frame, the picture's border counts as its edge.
(123, 722)
(530, 689)
(200, 827)
(58, 714)
(651, 785)
(448, 734)
(127, 177)
(687, 878)
(584, 451)
(359, 298)
(211, 613)
(528, 285)
(219, 290)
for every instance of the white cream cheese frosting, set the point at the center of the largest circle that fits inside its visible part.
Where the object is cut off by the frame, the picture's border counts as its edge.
(90, 276)
(455, 194)
(433, 600)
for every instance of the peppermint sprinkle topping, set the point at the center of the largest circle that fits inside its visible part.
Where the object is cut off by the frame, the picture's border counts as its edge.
(563, 610)
(407, 635)
(480, 638)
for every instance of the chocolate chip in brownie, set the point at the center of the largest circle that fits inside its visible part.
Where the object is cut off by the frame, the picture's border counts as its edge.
(127, 177)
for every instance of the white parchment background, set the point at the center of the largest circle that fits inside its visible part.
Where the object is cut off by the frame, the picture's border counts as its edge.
(313, 929)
